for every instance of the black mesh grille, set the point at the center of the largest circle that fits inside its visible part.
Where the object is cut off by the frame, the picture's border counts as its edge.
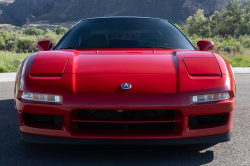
(207, 119)
(126, 114)
(126, 126)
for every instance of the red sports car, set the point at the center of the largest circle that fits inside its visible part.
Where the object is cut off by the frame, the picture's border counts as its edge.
(125, 80)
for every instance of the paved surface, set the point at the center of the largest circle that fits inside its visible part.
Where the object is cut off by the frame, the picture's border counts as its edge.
(7, 77)
(236, 152)
(241, 70)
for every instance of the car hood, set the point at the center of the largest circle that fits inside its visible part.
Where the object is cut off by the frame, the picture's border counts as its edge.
(104, 71)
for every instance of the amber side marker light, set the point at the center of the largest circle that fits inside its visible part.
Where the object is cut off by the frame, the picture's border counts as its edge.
(210, 97)
(41, 97)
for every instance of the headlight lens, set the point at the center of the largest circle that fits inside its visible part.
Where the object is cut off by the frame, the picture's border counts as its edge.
(41, 97)
(210, 97)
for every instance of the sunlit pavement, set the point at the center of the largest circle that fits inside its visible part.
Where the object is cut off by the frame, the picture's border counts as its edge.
(7, 77)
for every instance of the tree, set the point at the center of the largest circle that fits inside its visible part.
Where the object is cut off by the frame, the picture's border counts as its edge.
(231, 19)
(244, 27)
(234, 20)
(198, 24)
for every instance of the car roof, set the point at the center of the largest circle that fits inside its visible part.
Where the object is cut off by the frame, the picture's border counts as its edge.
(122, 17)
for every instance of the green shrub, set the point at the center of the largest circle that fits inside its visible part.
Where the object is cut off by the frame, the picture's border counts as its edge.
(60, 31)
(2, 43)
(11, 45)
(34, 31)
(26, 44)
(8, 40)
(26, 39)
(228, 49)
(54, 38)
(245, 41)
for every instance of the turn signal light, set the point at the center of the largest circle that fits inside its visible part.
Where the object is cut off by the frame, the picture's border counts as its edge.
(41, 97)
(210, 97)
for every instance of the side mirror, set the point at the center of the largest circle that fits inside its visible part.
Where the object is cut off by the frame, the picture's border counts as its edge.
(205, 45)
(44, 45)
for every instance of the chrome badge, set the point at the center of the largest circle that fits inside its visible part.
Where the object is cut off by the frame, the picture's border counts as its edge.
(126, 86)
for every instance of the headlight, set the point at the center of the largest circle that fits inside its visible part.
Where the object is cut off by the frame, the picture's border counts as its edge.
(210, 97)
(41, 97)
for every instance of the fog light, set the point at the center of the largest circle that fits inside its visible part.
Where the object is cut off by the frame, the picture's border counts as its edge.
(41, 97)
(210, 97)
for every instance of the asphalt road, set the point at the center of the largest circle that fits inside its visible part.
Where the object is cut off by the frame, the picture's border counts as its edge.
(236, 152)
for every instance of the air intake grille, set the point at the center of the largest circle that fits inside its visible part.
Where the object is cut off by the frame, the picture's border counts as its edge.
(207, 119)
(126, 126)
(126, 114)
(43, 119)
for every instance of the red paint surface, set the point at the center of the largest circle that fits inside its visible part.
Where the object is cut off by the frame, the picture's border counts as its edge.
(202, 66)
(126, 63)
(160, 80)
(48, 67)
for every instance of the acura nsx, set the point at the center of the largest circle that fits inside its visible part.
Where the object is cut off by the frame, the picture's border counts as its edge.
(125, 80)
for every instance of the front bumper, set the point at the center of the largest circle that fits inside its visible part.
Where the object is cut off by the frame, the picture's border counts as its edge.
(182, 131)
(56, 140)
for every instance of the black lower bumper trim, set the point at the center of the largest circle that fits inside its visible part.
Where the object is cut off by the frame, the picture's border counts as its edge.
(56, 140)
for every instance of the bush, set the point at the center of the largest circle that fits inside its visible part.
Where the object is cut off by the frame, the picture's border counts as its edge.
(245, 41)
(26, 44)
(34, 31)
(10, 45)
(2, 43)
(228, 49)
(54, 38)
(60, 31)
(25, 40)
(7, 40)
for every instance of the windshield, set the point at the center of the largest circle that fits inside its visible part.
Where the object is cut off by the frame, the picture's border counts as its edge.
(124, 33)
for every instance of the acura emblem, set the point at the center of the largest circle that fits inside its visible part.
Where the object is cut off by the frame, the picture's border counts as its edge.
(126, 86)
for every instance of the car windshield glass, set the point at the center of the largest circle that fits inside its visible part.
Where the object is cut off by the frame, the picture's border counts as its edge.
(124, 33)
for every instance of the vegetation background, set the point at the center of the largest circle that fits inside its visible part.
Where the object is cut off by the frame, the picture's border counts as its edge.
(229, 29)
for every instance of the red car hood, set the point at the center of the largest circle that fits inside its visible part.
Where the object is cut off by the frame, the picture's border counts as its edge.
(104, 71)
(125, 63)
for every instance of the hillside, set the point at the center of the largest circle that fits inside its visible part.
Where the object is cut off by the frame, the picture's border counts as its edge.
(21, 12)
(6, 1)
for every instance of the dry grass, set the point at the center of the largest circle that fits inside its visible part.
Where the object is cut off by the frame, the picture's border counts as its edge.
(9, 61)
